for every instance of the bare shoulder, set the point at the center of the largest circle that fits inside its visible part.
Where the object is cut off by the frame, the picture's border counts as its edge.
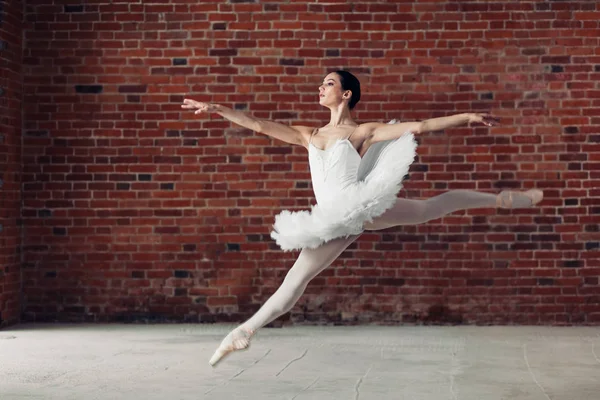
(365, 130)
(369, 127)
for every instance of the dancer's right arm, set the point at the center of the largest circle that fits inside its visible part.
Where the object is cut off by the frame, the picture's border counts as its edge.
(290, 134)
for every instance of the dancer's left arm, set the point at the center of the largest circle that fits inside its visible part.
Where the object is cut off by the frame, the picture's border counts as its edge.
(381, 132)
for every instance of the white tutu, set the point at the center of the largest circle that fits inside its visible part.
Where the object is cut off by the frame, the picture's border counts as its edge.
(378, 181)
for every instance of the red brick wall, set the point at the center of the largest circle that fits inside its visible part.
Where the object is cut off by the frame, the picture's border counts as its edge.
(134, 210)
(11, 25)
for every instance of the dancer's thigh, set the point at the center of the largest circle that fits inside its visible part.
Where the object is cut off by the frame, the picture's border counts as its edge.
(311, 262)
(404, 212)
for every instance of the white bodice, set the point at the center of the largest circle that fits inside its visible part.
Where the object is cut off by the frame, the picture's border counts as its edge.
(333, 170)
(350, 191)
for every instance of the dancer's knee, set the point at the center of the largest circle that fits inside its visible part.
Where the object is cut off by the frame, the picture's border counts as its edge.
(409, 212)
(425, 211)
(309, 264)
(298, 275)
(377, 225)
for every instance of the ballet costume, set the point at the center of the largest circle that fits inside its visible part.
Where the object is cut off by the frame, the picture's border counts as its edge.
(350, 190)
(353, 194)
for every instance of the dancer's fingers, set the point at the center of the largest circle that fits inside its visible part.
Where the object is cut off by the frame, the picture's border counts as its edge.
(487, 119)
(189, 103)
(491, 120)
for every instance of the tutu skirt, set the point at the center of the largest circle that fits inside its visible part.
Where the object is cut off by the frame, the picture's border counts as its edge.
(379, 179)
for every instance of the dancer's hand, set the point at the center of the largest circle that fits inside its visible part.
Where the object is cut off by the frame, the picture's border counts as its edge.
(485, 119)
(200, 107)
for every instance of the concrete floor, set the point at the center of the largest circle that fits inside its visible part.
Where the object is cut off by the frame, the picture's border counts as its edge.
(406, 362)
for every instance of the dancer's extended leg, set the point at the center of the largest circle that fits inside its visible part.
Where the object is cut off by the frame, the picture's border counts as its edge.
(413, 212)
(309, 264)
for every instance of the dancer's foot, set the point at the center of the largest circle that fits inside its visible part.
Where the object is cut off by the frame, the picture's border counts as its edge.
(237, 339)
(513, 199)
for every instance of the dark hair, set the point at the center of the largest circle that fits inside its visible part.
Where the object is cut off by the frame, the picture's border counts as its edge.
(350, 82)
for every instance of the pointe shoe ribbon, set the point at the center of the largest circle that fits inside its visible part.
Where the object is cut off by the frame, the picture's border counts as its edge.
(505, 198)
(237, 339)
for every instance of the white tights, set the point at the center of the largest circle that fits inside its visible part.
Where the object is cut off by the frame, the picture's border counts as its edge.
(312, 261)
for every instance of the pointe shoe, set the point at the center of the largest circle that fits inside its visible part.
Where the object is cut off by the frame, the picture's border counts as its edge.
(506, 197)
(237, 339)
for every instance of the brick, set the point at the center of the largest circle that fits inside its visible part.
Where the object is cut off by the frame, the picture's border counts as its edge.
(133, 88)
(73, 8)
(291, 61)
(91, 89)
(180, 197)
(11, 130)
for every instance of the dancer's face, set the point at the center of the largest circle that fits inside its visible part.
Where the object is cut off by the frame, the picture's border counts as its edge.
(331, 93)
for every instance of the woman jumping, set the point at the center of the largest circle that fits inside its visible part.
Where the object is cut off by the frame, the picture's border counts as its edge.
(356, 172)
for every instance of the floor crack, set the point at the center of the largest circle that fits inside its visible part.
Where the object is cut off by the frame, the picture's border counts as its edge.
(359, 382)
(452, 365)
(305, 389)
(290, 363)
(531, 372)
(238, 373)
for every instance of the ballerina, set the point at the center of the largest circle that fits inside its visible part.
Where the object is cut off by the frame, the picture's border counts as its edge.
(356, 172)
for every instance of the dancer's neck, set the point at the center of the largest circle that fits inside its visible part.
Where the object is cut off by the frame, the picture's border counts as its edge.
(340, 116)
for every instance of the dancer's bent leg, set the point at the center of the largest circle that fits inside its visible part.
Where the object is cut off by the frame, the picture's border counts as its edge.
(413, 212)
(309, 264)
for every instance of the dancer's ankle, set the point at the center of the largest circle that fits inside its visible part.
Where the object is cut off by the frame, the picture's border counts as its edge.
(247, 329)
(518, 199)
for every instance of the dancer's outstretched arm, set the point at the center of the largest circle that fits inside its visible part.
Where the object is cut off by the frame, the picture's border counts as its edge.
(381, 132)
(289, 134)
